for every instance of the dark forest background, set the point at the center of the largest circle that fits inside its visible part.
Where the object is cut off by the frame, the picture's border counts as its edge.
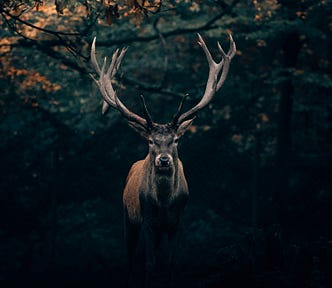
(258, 160)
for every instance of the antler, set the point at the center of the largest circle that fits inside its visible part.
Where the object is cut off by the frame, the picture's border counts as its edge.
(109, 94)
(214, 82)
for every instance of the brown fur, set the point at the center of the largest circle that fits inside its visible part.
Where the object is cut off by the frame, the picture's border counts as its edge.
(133, 183)
(131, 192)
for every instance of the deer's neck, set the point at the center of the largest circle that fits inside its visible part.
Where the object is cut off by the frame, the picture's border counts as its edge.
(164, 185)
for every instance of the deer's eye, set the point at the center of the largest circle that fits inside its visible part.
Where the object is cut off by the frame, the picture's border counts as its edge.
(176, 140)
(150, 142)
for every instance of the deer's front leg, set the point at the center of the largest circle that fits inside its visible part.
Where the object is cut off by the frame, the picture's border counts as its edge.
(149, 245)
(175, 232)
(175, 225)
(149, 211)
(174, 237)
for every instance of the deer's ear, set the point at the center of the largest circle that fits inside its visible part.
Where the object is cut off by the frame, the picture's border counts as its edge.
(139, 129)
(184, 127)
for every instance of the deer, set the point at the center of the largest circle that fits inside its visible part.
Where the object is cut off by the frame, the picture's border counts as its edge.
(156, 190)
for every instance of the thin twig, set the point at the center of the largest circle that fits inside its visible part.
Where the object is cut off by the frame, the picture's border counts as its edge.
(3, 11)
(164, 46)
(209, 25)
(150, 88)
(58, 34)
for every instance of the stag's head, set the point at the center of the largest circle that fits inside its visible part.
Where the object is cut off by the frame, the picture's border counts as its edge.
(162, 138)
(163, 145)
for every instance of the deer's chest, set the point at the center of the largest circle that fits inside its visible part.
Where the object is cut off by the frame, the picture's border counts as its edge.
(163, 215)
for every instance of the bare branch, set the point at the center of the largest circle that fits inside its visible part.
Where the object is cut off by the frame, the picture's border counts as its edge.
(56, 33)
(209, 25)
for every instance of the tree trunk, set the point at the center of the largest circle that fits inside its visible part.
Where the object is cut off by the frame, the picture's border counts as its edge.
(276, 235)
(291, 49)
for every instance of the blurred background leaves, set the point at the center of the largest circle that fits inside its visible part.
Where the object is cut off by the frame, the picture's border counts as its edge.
(257, 159)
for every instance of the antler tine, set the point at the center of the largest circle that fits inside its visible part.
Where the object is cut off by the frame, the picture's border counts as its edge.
(205, 49)
(93, 57)
(112, 69)
(105, 85)
(232, 46)
(227, 60)
(146, 113)
(116, 61)
(178, 112)
(213, 84)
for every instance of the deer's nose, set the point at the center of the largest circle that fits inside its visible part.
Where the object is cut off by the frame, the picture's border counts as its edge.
(164, 160)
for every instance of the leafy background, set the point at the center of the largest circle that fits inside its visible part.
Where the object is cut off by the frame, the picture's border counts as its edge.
(257, 160)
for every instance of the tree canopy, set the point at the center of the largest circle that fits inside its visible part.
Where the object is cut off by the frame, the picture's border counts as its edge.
(257, 159)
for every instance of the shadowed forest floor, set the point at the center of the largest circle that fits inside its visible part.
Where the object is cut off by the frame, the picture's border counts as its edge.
(88, 252)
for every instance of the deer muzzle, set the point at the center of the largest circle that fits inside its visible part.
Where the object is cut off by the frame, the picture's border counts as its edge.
(164, 162)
